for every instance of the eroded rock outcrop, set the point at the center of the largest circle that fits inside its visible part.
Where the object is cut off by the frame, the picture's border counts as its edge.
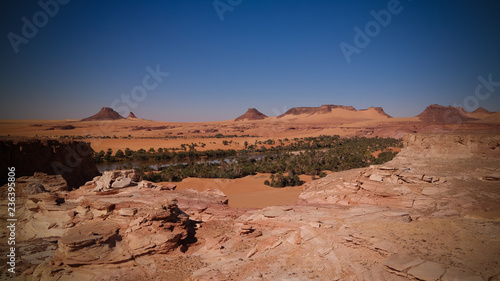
(109, 228)
(422, 147)
(423, 177)
(158, 229)
(41, 182)
(114, 179)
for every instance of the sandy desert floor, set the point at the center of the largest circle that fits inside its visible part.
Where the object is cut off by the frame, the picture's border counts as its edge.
(247, 192)
(138, 133)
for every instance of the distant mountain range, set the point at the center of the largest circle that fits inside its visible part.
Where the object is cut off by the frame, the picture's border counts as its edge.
(432, 114)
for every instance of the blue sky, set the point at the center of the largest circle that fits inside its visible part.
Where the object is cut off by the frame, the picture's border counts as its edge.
(271, 55)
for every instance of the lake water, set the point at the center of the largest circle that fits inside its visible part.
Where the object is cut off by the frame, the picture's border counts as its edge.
(110, 166)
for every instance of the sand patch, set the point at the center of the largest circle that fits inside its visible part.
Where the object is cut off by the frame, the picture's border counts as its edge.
(247, 192)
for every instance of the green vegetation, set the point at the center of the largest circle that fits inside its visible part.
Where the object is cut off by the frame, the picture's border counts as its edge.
(309, 156)
(279, 180)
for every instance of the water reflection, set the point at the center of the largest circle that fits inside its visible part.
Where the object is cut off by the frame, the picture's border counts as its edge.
(155, 164)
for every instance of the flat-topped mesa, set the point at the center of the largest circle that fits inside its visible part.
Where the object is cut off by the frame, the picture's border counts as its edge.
(131, 116)
(106, 113)
(444, 114)
(326, 108)
(251, 114)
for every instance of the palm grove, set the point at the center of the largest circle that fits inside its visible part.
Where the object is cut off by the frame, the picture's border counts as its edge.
(284, 159)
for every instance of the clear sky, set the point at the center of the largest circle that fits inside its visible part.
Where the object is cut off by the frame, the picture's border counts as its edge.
(267, 54)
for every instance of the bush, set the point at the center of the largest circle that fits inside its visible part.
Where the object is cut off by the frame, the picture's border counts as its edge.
(281, 181)
(119, 154)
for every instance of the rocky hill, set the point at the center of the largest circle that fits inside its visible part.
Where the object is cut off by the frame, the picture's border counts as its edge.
(106, 113)
(481, 110)
(251, 114)
(483, 114)
(444, 114)
(131, 116)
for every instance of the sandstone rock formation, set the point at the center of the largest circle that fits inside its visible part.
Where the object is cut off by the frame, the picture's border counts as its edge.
(106, 113)
(104, 229)
(71, 159)
(327, 108)
(114, 179)
(159, 228)
(444, 114)
(41, 182)
(131, 116)
(312, 110)
(251, 114)
(449, 147)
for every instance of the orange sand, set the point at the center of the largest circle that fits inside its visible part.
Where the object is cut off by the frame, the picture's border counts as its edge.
(247, 192)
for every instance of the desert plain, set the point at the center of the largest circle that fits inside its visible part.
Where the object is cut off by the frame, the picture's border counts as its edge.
(431, 213)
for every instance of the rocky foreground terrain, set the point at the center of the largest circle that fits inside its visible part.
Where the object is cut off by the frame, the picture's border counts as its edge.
(432, 213)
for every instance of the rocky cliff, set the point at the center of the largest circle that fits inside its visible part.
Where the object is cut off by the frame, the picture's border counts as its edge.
(450, 146)
(71, 159)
